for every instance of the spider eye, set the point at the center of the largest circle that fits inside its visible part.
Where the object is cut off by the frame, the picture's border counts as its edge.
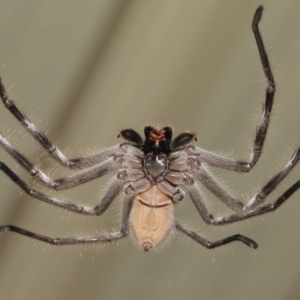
(131, 136)
(183, 139)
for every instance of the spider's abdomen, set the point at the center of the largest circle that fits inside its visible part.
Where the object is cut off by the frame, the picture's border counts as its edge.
(151, 218)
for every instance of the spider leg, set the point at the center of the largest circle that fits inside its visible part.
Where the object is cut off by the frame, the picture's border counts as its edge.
(259, 210)
(96, 172)
(72, 181)
(108, 165)
(108, 197)
(63, 241)
(112, 191)
(179, 178)
(195, 195)
(210, 183)
(261, 132)
(207, 179)
(270, 90)
(210, 245)
(175, 193)
(127, 200)
(83, 177)
(76, 163)
(273, 182)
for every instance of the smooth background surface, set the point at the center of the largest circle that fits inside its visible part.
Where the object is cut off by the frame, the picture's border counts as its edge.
(82, 71)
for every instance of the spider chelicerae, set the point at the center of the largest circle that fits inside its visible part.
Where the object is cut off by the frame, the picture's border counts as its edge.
(152, 169)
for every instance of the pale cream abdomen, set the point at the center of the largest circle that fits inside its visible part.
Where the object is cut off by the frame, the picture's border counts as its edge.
(151, 218)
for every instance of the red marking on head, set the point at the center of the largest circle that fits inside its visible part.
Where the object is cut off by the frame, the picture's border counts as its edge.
(157, 136)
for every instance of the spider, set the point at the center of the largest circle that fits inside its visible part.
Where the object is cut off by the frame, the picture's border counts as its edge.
(151, 171)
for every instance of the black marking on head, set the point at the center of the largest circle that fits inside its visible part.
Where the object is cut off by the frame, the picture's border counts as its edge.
(183, 139)
(131, 136)
(157, 140)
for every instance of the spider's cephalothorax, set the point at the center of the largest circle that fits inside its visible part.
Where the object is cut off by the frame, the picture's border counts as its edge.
(151, 172)
(156, 147)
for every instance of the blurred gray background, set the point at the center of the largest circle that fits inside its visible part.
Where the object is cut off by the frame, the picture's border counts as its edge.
(83, 70)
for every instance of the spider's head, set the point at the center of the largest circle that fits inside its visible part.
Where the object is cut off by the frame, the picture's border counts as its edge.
(157, 140)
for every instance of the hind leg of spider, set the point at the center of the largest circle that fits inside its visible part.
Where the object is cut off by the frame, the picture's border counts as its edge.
(63, 241)
(210, 245)
(114, 236)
